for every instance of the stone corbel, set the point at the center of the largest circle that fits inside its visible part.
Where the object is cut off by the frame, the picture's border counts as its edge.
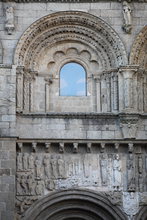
(129, 126)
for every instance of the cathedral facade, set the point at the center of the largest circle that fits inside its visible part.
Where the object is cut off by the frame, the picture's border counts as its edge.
(73, 148)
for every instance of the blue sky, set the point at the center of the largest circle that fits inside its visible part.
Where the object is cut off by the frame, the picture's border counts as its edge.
(72, 80)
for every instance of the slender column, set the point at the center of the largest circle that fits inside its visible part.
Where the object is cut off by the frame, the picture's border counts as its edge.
(115, 88)
(145, 94)
(98, 94)
(26, 92)
(19, 88)
(108, 93)
(48, 82)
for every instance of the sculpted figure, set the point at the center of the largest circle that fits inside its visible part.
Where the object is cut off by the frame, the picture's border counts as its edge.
(23, 184)
(30, 183)
(39, 188)
(140, 164)
(9, 25)
(25, 161)
(131, 174)
(104, 172)
(127, 17)
(19, 189)
(61, 167)
(116, 172)
(54, 167)
(31, 161)
(19, 161)
(38, 165)
(46, 163)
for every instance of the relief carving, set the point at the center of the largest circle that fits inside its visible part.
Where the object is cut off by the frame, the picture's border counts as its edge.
(116, 172)
(9, 24)
(47, 169)
(131, 173)
(104, 171)
(38, 166)
(61, 167)
(127, 26)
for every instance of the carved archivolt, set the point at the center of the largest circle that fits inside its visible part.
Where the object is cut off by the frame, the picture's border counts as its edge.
(74, 204)
(138, 54)
(70, 26)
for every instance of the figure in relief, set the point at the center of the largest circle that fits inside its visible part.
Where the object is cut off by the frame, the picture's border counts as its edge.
(127, 26)
(131, 174)
(116, 172)
(140, 164)
(38, 166)
(54, 167)
(31, 161)
(87, 166)
(19, 189)
(23, 184)
(46, 163)
(19, 161)
(9, 24)
(104, 172)
(25, 161)
(39, 188)
(61, 167)
(30, 183)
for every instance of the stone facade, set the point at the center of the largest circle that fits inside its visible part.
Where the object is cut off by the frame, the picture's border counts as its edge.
(81, 157)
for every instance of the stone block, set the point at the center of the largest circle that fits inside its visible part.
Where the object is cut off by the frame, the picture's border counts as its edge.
(4, 172)
(7, 179)
(101, 5)
(8, 164)
(8, 118)
(4, 155)
(2, 206)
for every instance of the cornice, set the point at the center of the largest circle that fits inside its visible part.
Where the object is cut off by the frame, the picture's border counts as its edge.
(70, 1)
(81, 115)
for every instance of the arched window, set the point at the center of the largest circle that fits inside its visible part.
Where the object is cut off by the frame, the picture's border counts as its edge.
(72, 80)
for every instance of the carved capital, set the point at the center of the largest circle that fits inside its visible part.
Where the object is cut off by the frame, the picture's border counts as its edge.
(129, 125)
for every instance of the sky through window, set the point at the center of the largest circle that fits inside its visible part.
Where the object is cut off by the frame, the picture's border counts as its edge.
(72, 80)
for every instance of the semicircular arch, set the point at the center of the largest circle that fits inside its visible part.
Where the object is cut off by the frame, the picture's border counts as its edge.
(70, 26)
(138, 52)
(74, 204)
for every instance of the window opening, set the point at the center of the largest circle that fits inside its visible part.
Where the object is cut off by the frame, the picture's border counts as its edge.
(72, 80)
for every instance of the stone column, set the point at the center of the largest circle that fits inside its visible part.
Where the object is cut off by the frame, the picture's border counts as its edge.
(128, 93)
(98, 93)
(108, 85)
(19, 88)
(115, 92)
(48, 82)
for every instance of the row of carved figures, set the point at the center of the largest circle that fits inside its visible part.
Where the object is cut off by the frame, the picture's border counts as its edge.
(87, 170)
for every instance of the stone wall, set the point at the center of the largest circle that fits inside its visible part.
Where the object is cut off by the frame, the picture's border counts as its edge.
(107, 126)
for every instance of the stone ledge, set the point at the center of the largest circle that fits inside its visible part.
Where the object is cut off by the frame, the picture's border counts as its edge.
(80, 115)
(71, 1)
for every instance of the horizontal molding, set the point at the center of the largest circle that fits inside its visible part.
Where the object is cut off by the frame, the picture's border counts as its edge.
(70, 1)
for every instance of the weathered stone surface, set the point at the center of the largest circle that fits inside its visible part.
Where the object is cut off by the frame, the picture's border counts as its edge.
(96, 142)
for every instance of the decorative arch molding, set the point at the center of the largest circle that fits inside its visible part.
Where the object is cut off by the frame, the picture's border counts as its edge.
(142, 215)
(69, 26)
(138, 53)
(74, 204)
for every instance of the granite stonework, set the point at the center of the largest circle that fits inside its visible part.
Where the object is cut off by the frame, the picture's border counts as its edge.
(81, 157)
